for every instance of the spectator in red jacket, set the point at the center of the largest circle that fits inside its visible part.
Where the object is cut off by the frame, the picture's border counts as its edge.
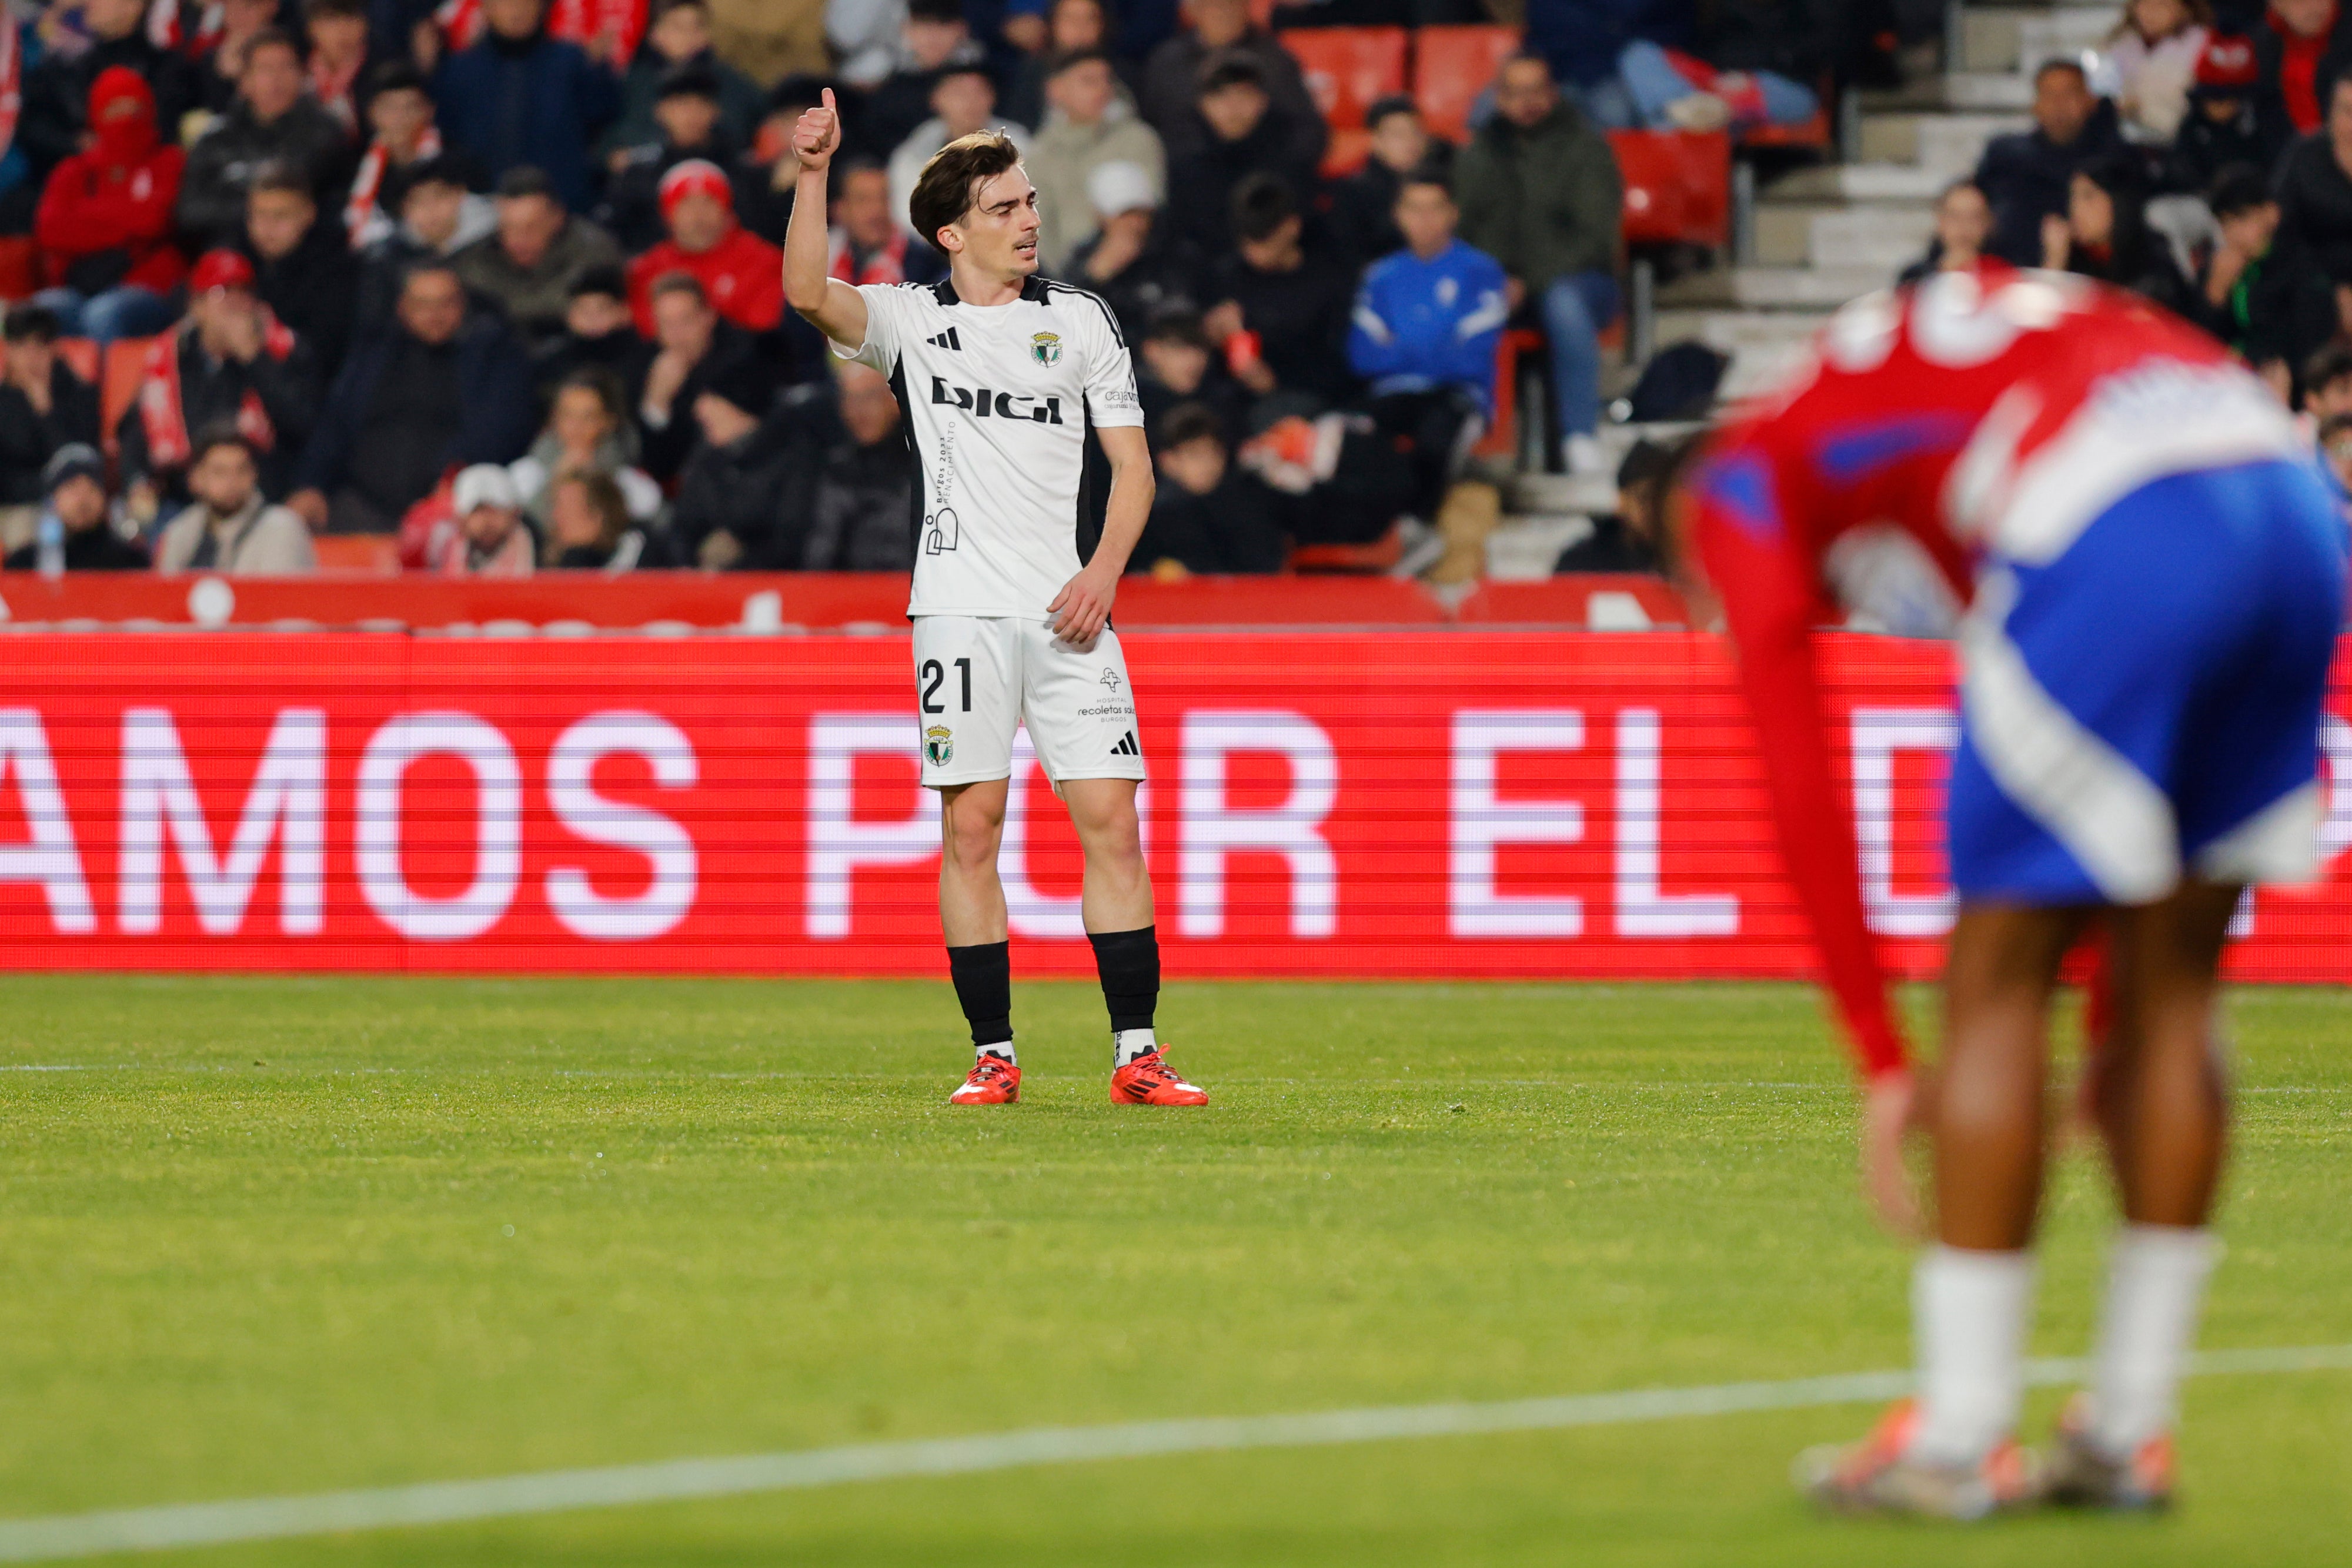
(104, 225)
(741, 274)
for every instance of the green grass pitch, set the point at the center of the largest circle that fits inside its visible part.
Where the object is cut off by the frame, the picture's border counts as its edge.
(273, 1236)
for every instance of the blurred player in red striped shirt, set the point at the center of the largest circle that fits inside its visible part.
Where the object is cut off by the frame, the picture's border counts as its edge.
(2146, 581)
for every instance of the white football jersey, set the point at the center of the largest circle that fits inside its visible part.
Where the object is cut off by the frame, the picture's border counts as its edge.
(996, 401)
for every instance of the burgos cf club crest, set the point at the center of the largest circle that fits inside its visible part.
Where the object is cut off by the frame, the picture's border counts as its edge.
(939, 745)
(1045, 347)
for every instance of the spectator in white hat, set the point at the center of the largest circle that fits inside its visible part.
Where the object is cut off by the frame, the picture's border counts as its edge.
(1088, 128)
(1138, 264)
(492, 538)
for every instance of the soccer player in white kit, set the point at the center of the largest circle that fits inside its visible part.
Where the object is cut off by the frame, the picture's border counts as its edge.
(999, 374)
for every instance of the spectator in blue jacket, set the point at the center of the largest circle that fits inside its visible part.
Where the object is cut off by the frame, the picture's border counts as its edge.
(1426, 323)
(448, 387)
(519, 96)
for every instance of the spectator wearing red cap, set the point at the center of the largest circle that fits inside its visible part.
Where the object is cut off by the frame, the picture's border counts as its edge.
(104, 225)
(230, 363)
(688, 127)
(741, 274)
(2225, 126)
(57, 91)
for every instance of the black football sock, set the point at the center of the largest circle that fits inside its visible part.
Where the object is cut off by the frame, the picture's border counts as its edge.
(1128, 963)
(983, 985)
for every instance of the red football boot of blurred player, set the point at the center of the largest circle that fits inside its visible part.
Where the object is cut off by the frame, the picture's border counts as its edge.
(1149, 1081)
(992, 1081)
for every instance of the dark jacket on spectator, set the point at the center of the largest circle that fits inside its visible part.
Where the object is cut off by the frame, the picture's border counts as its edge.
(2279, 310)
(2025, 177)
(225, 158)
(540, 101)
(92, 550)
(2141, 262)
(2203, 149)
(2315, 205)
(1363, 206)
(1237, 527)
(2269, 53)
(1545, 202)
(1610, 547)
(742, 104)
(28, 439)
(758, 489)
(1300, 317)
(1170, 90)
(662, 449)
(535, 299)
(1787, 37)
(314, 289)
(861, 517)
(1200, 181)
(212, 392)
(1168, 274)
(1583, 38)
(56, 95)
(490, 415)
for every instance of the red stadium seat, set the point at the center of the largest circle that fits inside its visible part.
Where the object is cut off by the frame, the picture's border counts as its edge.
(1347, 152)
(358, 555)
(119, 387)
(1677, 187)
(20, 267)
(1451, 67)
(1348, 69)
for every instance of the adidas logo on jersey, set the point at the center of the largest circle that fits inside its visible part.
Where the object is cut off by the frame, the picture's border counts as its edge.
(947, 340)
(1126, 746)
(981, 404)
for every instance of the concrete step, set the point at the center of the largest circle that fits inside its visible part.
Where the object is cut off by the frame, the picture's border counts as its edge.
(1888, 238)
(1961, 91)
(1773, 287)
(1858, 183)
(1734, 331)
(1947, 145)
(1996, 38)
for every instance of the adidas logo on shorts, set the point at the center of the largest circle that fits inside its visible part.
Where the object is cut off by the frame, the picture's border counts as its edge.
(946, 339)
(1126, 746)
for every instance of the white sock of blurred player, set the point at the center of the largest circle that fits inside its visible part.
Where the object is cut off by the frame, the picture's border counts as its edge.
(1969, 1311)
(2156, 1287)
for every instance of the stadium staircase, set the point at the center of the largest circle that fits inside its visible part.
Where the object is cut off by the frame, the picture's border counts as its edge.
(1819, 235)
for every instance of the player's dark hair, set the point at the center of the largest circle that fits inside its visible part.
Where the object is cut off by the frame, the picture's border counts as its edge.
(2239, 188)
(32, 324)
(1179, 324)
(607, 281)
(1069, 60)
(1191, 422)
(2333, 364)
(2060, 63)
(396, 76)
(1263, 203)
(935, 11)
(1395, 103)
(279, 175)
(426, 266)
(1426, 175)
(953, 176)
(1228, 67)
(955, 68)
(678, 283)
(222, 433)
(271, 39)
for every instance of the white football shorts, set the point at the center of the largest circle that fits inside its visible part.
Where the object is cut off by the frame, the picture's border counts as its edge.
(978, 678)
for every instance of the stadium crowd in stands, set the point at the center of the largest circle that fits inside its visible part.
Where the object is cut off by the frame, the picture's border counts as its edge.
(373, 250)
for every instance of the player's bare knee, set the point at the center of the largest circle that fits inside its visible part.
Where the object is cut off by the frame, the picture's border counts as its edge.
(972, 821)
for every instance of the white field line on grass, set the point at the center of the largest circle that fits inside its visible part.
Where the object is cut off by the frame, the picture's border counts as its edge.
(553, 1491)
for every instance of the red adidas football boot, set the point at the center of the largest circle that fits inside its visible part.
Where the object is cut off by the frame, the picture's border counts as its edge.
(1149, 1081)
(993, 1081)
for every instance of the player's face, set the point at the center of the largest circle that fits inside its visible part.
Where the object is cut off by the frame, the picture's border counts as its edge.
(998, 234)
